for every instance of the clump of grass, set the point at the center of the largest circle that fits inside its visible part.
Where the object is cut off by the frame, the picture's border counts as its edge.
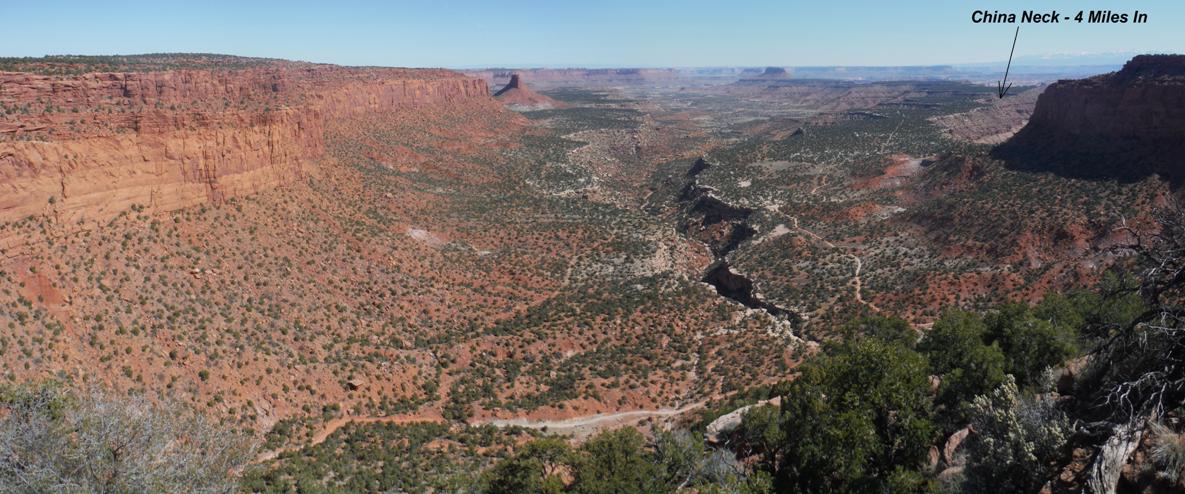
(1167, 452)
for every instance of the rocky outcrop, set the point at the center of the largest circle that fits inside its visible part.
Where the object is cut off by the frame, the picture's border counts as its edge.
(517, 95)
(1125, 125)
(721, 226)
(698, 167)
(88, 147)
(951, 448)
(739, 288)
(718, 429)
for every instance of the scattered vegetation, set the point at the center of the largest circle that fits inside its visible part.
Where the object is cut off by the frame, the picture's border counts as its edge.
(423, 269)
(93, 442)
(64, 65)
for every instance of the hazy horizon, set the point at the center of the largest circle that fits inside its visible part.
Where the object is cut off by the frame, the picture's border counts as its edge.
(1031, 62)
(470, 35)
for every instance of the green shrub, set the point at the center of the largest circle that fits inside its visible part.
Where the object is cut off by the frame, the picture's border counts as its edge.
(1014, 443)
(1030, 344)
(534, 469)
(887, 329)
(852, 418)
(616, 462)
(966, 365)
(52, 440)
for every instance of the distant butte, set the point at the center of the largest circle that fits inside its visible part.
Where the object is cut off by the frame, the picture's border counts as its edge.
(514, 84)
(517, 95)
(774, 73)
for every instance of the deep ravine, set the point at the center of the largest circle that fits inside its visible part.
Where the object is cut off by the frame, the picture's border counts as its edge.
(723, 227)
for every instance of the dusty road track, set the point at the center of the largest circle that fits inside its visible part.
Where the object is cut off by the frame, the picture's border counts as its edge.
(858, 285)
(577, 427)
(582, 427)
(333, 425)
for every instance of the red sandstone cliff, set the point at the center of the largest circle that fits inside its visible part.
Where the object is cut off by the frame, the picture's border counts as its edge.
(1124, 125)
(1145, 100)
(88, 147)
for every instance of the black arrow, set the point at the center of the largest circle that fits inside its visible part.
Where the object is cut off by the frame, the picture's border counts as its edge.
(1001, 89)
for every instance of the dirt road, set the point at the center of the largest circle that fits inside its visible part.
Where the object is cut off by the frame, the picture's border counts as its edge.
(578, 427)
(328, 428)
(858, 285)
(582, 427)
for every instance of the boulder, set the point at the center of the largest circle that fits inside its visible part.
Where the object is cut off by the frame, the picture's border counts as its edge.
(725, 424)
(952, 445)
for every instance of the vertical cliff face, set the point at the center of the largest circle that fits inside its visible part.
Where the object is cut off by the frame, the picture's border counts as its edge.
(1125, 125)
(1145, 100)
(88, 147)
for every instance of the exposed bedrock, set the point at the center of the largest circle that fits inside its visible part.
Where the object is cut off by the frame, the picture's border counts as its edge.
(718, 224)
(739, 288)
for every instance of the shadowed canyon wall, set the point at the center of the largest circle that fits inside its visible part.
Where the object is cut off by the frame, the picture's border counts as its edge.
(1125, 125)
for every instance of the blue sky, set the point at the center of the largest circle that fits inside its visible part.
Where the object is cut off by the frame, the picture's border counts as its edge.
(527, 33)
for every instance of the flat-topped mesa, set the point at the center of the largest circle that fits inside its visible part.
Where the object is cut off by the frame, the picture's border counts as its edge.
(774, 73)
(1154, 66)
(116, 101)
(89, 146)
(1125, 125)
(1146, 99)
